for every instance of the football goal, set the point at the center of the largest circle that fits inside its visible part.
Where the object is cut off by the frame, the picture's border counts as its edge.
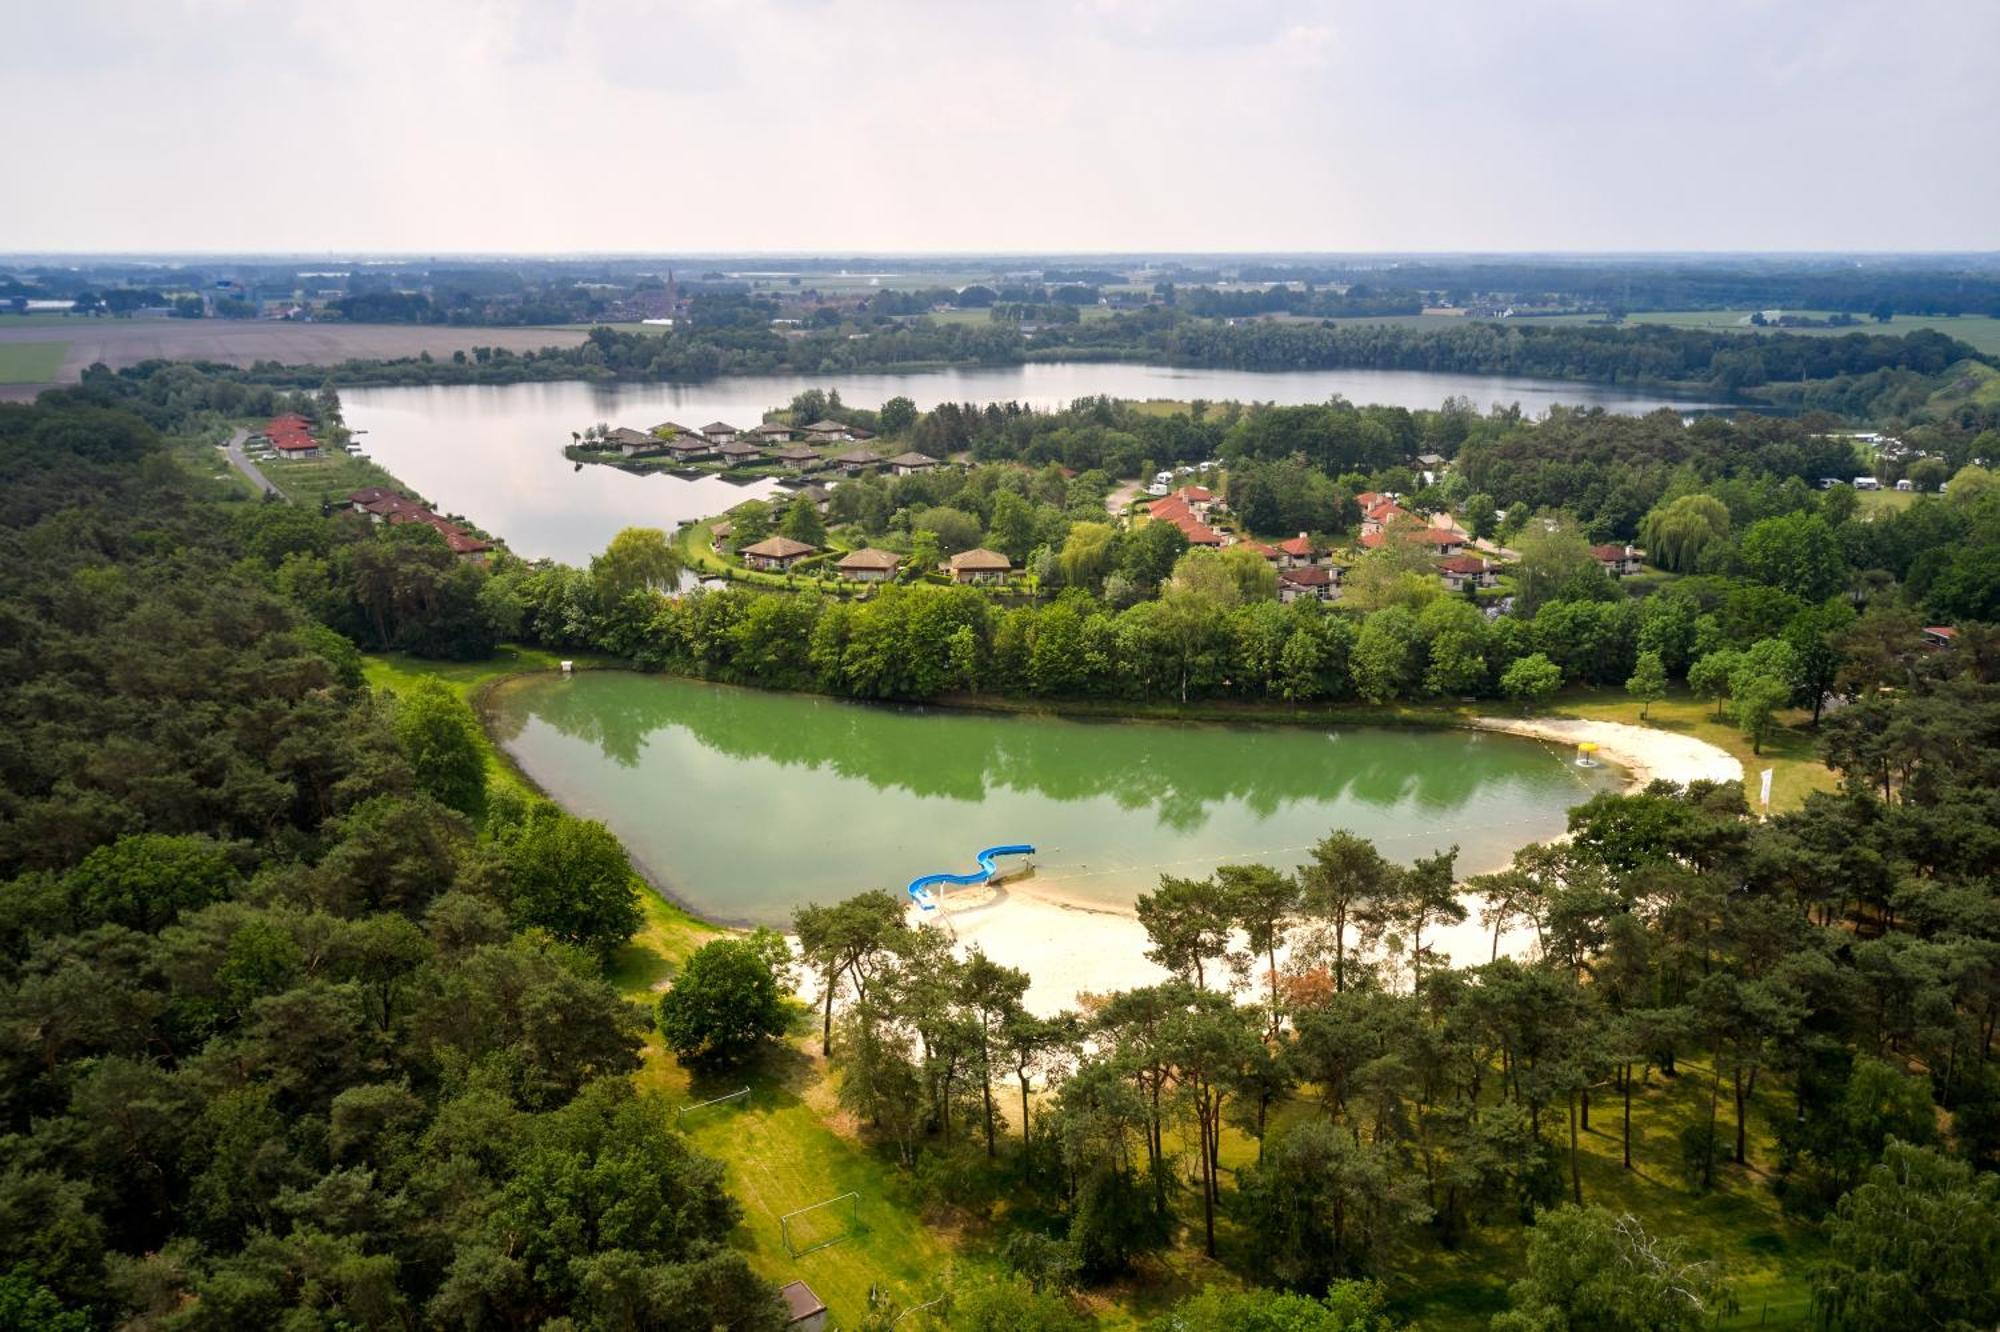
(820, 1224)
(680, 1115)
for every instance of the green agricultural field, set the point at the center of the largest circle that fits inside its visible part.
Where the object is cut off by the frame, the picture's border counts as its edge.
(30, 362)
(1977, 331)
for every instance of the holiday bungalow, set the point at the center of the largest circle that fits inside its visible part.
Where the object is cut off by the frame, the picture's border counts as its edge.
(868, 565)
(1443, 540)
(855, 461)
(777, 554)
(1199, 499)
(387, 507)
(291, 437)
(1271, 554)
(1617, 560)
(633, 443)
(795, 455)
(736, 453)
(719, 534)
(719, 432)
(979, 566)
(1175, 510)
(1312, 583)
(1940, 636)
(909, 464)
(1460, 572)
(1297, 553)
(772, 432)
(690, 447)
(830, 432)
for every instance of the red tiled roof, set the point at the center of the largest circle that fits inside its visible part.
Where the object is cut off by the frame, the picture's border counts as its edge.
(1437, 536)
(1371, 540)
(1463, 564)
(1298, 545)
(1268, 552)
(1309, 577)
(1613, 552)
(1195, 494)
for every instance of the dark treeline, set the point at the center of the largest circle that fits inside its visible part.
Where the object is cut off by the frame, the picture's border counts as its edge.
(300, 1026)
(1930, 285)
(1718, 362)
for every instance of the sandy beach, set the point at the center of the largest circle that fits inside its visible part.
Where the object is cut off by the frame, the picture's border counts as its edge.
(1068, 948)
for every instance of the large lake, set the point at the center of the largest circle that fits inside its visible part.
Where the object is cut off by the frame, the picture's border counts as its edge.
(745, 804)
(494, 454)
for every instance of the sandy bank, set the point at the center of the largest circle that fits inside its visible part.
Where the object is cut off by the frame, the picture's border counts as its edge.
(1645, 752)
(1068, 948)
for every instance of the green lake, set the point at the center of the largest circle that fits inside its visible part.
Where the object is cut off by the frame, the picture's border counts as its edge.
(744, 804)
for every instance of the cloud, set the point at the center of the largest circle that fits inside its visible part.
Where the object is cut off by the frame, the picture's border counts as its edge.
(874, 125)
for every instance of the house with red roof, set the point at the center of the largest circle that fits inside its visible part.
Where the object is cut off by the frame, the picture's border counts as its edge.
(1379, 515)
(1174, 509)
(1297, 552)
(1313, 582)
(1618, 560)
(291, 437)
(1459, 572)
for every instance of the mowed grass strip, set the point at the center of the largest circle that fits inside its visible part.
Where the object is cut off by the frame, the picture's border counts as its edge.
(31, 362)
(785, 1147)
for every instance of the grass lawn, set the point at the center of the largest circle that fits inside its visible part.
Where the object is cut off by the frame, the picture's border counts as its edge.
(48, 319)
(30, 362)
(314, 481)
(1886, 501)
(1790, 753)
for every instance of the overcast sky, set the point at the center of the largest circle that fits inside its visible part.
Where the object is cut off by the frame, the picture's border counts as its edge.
(420, 126)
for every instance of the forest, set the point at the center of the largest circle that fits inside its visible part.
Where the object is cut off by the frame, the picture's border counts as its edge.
(308, 1021)
(301, 1025)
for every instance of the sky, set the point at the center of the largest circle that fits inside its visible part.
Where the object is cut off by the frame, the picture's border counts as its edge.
(878, 126)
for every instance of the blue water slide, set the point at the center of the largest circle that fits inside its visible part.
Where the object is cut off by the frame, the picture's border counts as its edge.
(920, 887)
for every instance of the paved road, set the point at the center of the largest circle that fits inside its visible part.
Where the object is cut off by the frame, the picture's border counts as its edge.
(241, 462)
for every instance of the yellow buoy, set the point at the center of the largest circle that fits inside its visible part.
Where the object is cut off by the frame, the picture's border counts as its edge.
(1585, 754)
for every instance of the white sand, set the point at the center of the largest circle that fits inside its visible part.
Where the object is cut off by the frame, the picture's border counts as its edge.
(1068, 949)
(1645, 752)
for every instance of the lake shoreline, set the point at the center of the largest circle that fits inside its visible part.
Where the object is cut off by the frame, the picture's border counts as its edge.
(1070, 944)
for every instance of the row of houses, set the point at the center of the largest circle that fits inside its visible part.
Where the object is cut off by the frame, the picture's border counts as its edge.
(386, 507)
(781, 554)
(768, 443)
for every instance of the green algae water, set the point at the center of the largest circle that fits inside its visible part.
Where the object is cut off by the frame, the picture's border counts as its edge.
(745, 804)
